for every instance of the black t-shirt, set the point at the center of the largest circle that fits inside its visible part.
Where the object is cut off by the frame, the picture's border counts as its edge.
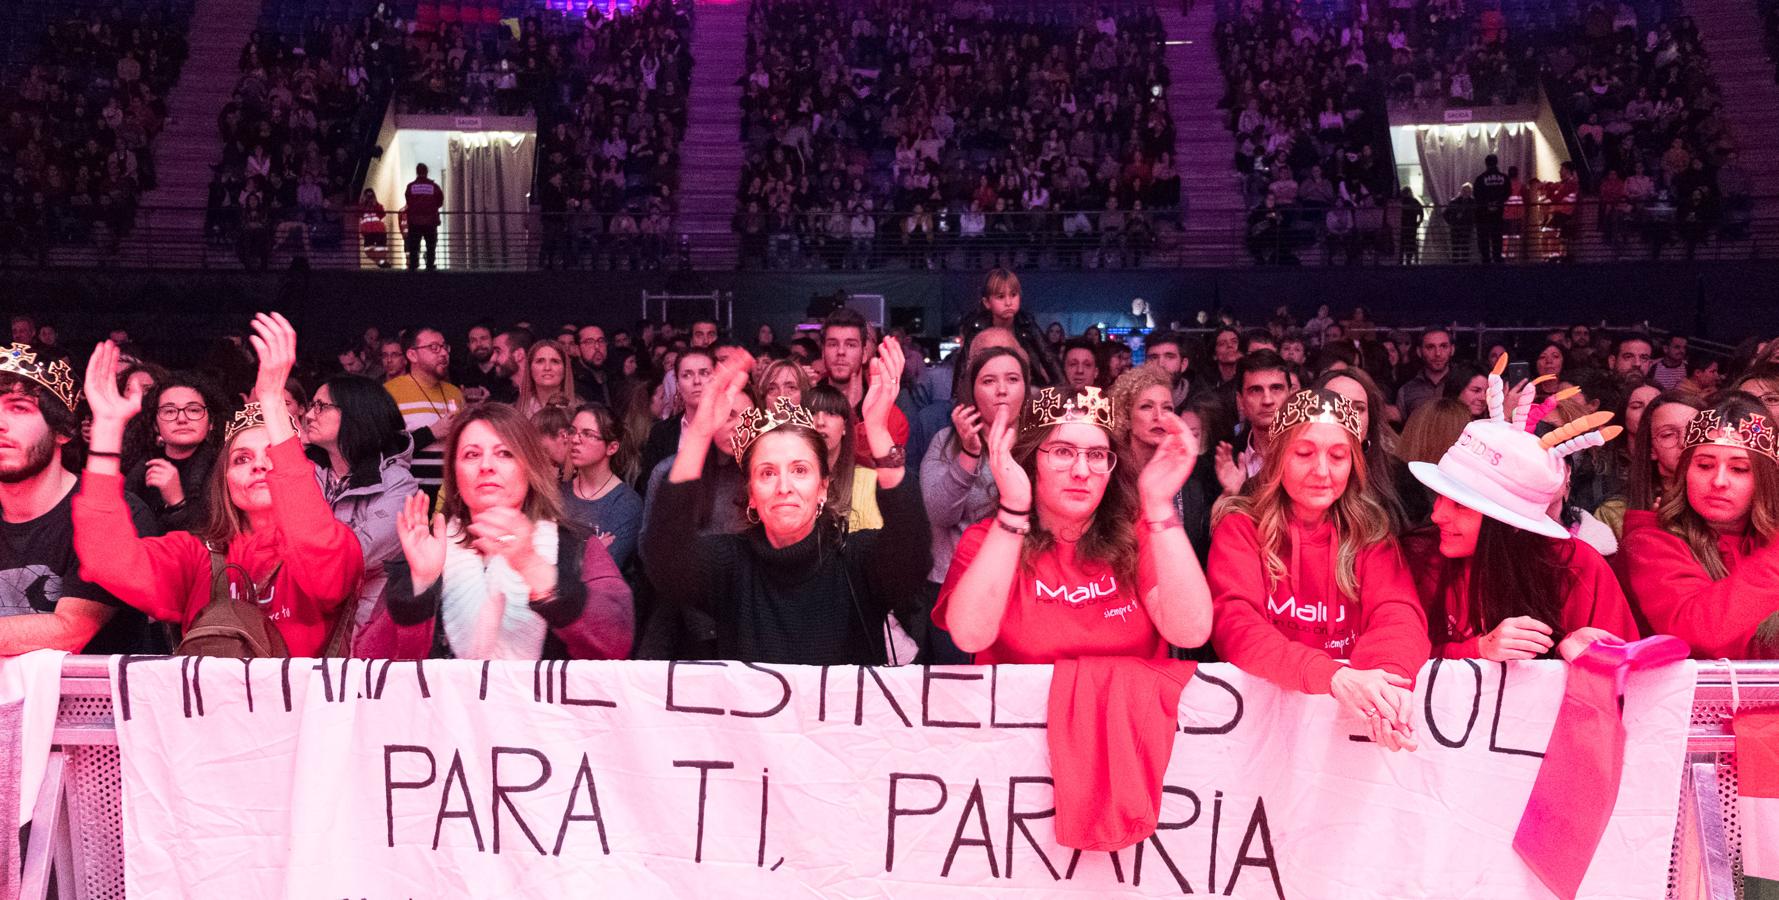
(38, 567)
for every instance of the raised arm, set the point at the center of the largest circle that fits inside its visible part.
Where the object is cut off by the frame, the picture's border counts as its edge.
(712, 413)
(974, 598)
(323, 554)
(1171, 582)
(151, 574)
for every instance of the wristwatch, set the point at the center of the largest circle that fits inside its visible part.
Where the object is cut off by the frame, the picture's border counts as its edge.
(896, 458)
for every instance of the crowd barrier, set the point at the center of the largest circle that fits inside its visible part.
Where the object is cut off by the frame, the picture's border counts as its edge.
(77, 830)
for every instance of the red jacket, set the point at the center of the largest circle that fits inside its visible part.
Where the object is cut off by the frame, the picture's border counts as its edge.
(1716, 618)
(169, 577)
(424, 198)
(1594, 599)
(1292, 632)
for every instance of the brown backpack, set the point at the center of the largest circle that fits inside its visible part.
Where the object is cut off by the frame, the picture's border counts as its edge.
(230, 626)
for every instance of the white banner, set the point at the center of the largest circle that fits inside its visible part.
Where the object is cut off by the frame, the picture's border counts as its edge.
(399, 780)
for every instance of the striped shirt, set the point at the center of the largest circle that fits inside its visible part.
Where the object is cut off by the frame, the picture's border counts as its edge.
(420, 408)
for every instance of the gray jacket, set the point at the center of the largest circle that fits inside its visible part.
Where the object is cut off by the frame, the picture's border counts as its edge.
(370, 511)
(955, 499)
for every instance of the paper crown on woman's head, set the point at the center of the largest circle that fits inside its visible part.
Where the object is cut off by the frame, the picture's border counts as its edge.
(1311, 407)
(757, 421)
(55, 376)
(250, 416)
(1754, 433)
(1058, 406)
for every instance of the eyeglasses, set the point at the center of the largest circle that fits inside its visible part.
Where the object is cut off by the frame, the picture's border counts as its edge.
(193, 411)
(592, 342)
(1062, 457)
(1667, 437)
(434, 347)
(586, 434)
(318, 407)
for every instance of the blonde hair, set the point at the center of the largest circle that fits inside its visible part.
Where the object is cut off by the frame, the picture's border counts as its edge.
(528, 402)
(1128, 388)
(1359, 520)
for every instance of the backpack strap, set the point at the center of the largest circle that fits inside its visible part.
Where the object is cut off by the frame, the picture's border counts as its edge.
(219, 577)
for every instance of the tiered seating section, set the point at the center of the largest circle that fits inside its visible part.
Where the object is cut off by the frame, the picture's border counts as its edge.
(908, 132)
(1308, 81)
(83, 87)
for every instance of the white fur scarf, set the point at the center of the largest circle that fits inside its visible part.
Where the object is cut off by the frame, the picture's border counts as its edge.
(487, 606)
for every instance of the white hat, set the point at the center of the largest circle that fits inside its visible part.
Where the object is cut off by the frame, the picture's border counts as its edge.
(1501, 469)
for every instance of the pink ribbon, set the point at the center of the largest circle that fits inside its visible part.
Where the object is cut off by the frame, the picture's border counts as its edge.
(1577, 784)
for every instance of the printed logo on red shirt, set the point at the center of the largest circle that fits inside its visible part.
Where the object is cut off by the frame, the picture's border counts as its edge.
(1315, 622)
(1093, 592)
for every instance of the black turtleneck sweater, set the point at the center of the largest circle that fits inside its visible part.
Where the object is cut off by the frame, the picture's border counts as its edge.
(792, 604)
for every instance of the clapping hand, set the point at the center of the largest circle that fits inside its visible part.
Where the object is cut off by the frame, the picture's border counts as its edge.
(422, 540)
(718, 402)
(1167, 471)
(110, 406)
(164, 477)
(966, 423)
(886, 384)
(1011, 480)
(274, 342)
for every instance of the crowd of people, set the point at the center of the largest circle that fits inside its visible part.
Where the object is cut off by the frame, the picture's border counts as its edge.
(80, 121)
(1306, 94)
(295, 135)
(1305, 100)
(913, 133)
(1326, 503)
(612, 107)
(1652, 130)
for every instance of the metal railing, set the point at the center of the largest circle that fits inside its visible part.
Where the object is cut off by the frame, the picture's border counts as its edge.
(1298, 234)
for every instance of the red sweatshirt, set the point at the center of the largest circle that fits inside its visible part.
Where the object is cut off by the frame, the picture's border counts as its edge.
(1594, 599)
(1292, 632)
(1716, 618)
(169, 577)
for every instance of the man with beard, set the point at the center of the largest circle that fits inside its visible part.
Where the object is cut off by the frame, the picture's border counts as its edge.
(1167, 349)
(846, 349)
(589, 365)
(505, 359)
(44, 603)
(427, 402)
(476, 372)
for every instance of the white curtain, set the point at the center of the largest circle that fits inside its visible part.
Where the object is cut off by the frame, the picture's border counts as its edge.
(487, 200)
(1452, 155)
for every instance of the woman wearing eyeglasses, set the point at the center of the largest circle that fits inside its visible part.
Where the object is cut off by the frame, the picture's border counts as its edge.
(1082, 558)
(1306, 573)
(362, 453)
(598, 496)
(268, 521)
(1654, 457)
(177, 446)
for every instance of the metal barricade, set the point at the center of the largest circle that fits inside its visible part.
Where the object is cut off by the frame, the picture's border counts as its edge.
(79, 806)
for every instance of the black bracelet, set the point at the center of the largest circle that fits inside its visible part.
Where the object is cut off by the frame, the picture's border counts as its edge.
(1015, 512)
(110, 454)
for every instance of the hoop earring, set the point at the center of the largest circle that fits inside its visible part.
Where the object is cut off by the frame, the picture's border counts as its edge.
(752, 515)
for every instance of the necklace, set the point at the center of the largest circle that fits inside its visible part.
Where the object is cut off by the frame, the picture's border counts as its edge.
(443, 396)
(576, 486)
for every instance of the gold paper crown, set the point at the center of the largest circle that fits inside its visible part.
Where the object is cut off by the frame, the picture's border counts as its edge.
(250, 416)
(1314, 408)
(1055, 406)
(21, 360)
(1754, 433)
(757, 421)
